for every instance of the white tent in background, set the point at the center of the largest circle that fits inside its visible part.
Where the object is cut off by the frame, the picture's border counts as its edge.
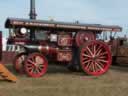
(4, 42)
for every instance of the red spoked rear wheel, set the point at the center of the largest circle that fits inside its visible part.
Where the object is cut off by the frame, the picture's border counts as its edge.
(36, 65)
(83, 37)
(18, 62)
(95, 58)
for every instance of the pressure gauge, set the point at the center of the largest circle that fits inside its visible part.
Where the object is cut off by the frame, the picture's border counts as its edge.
(23, 31)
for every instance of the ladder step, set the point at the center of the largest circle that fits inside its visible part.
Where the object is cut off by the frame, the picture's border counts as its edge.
(6, 74)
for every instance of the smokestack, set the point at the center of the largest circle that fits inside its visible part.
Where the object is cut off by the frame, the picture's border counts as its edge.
(32, 16)
(32, 10)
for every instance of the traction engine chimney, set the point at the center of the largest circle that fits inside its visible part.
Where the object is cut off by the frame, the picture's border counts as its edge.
(32, 16)
(32, 10)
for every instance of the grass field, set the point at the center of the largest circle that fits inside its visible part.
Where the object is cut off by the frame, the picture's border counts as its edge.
(60, 82)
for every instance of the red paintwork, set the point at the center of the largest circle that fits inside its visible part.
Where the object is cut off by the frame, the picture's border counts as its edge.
(83, 37)
(64, 55)
(65, 40)
(95, 58)
(48, 49)
(18, 62)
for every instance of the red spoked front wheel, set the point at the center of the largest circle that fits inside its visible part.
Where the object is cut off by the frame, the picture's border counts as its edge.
(18, 62)
(95, 58)
(83, 37)
(36, 65)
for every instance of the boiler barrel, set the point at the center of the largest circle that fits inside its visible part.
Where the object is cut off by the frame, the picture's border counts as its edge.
(44, 49)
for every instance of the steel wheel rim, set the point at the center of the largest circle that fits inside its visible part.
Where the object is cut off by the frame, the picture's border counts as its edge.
(95, 58)
(36, 65)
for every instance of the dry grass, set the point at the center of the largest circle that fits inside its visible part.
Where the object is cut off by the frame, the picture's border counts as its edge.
(60, 82)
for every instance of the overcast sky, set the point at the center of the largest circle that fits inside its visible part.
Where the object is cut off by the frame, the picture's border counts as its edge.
(110, 12)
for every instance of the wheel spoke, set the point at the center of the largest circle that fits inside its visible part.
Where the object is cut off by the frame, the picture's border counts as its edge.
(98, 49)
(99, 52)
(101, 60)
(102, 54)
(86, 55)
(96, 68)
(87, 65)
(102, 57)
(41, 65)
(86, 61)
(94, 50)
(29, 65)
(37, 70)
(34, 71)
(30, 68)
(30, 61)
(89, 51)
(98, 65)
(40, 68)
(31, 71)
(93, 67)
(85, 58)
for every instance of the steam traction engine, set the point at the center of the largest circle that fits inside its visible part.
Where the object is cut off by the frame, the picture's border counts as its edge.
(76, 45)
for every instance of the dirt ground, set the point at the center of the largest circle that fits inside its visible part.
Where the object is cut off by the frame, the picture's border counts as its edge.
(60, 82)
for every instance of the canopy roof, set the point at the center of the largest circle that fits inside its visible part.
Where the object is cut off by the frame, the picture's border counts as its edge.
(16, 22)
